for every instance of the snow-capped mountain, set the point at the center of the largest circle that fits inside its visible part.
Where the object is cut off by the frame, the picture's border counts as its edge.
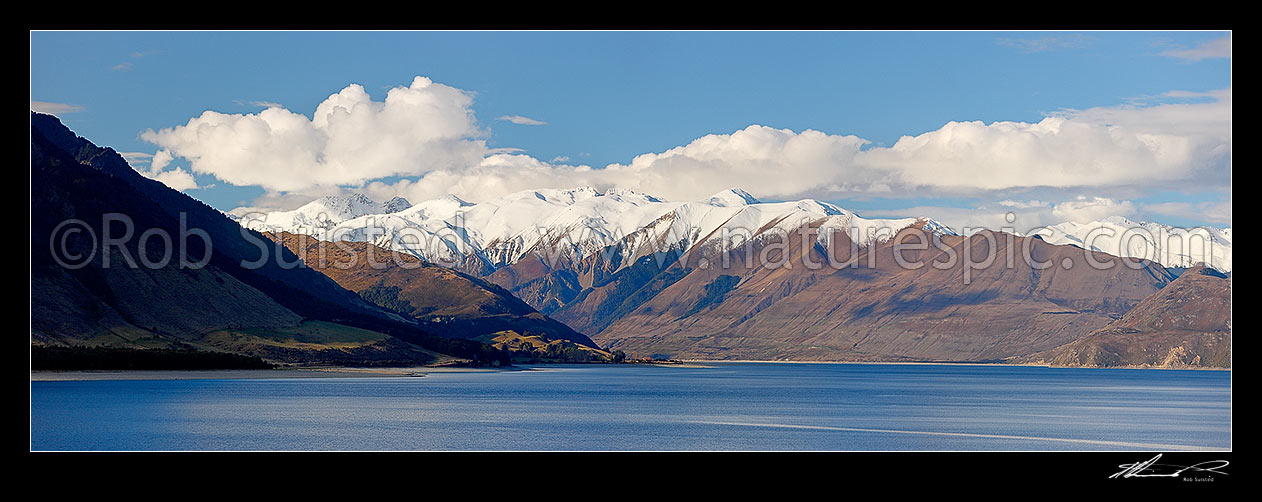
(395, 205)
(566, 224)
(323, 213)
(1164, 244)
(577, 222)
(635, 272)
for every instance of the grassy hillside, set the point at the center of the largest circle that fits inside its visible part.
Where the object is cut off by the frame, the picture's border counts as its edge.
(535, 348)
(321, 342)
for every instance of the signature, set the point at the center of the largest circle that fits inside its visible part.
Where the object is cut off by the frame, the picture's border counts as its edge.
(1151, 469)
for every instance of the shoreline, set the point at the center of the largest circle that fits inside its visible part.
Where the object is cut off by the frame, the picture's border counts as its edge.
(953, 363)
(422, 371)
(230, 374)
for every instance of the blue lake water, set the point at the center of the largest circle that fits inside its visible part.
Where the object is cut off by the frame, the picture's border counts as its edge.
(725, 406)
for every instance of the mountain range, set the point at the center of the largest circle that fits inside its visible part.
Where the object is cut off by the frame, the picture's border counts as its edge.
(231, 294)
(679, 279)
(581, 274)
(574, 223)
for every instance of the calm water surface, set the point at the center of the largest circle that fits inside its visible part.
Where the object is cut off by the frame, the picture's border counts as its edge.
(726, 406)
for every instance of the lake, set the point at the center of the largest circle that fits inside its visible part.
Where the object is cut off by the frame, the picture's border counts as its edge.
(722, 406)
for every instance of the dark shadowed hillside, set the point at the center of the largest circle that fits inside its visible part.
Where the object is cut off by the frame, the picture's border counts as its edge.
(280, 312)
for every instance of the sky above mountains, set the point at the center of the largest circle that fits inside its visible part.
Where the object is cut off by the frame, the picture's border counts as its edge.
(964, 126)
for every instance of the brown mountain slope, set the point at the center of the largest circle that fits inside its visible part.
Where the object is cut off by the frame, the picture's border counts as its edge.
(1186, 324)
(441, 298)
(878, 310)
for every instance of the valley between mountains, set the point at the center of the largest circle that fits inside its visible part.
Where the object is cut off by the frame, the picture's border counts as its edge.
(587, 275)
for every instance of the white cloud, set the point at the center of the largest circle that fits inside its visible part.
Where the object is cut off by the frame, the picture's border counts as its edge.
(520, 120)
(1019, 204)
(1027, 217)
(161, 159)
(1084, 210)
(427, 135)
(1214, 49)
(771, 162)
(349, 140)
(54, 108)
(1022, 217)
(1166, 144)
(177, 178)
(275, 201)
(124, 66)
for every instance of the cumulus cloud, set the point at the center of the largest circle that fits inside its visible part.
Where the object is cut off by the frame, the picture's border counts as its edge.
(349, 140)
(54, 108)
(520, 120)
(423, 142)
(1214, 49)
(161, 159)
(177, 178)
(772, 162)
(1163, 144)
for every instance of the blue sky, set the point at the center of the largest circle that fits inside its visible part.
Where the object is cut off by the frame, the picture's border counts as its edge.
(608, 97)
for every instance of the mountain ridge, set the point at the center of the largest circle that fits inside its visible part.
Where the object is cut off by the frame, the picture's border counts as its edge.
(1187, 324)
(725, 277)
(561, 213)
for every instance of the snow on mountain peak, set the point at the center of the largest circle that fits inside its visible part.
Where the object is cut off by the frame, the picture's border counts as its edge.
(441, 208)
(814, 206)
(935, 226)
(344, 206)
(554, 196)
(629, 194)
(584, 220)
(1164, 244)
(395, 205)
(732, 197)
